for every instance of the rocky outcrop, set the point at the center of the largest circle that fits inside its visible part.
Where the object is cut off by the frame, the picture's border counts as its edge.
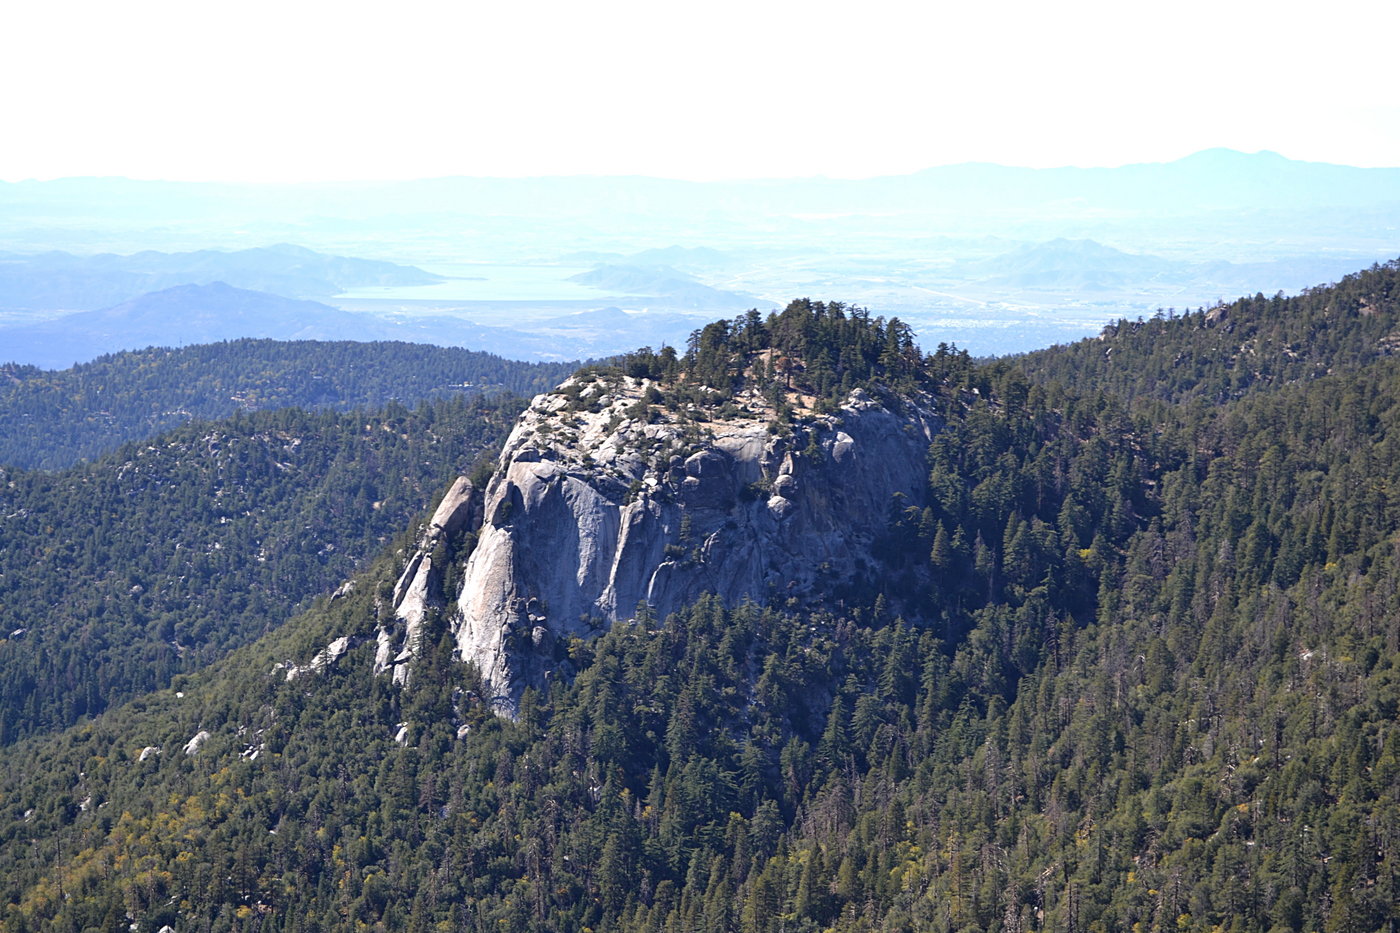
(602, 504)
(323, 659)
(419, 588)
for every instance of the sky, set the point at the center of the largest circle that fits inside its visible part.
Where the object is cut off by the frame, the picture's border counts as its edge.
(309, 90)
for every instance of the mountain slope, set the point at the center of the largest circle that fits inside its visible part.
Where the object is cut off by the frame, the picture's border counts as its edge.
(169, 552)
(52, 419)
(1212, 355)
(179, 316)
(1213, 180)
(786, 709)
(1129, 666)
(1081, 265)
(194, 314)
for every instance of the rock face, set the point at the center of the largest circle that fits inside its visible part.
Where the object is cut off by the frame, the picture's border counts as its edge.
(602, 504)
(419, 587)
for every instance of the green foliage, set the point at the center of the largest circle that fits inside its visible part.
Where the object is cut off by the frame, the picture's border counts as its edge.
(160, 557)
(50, 420)
(811, 348)
(1213, 355)
(758, 768)
(1131, 665)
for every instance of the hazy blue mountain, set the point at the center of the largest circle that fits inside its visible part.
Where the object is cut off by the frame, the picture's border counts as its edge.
(1063, 263)
(1085, 267)
(185, 314)
(190, 314)
(1217, 179)
(1290, 274)
(62, 281)
(897, 245)
(674, 288)
(599, 333)
(196, 314)
(1213, 180)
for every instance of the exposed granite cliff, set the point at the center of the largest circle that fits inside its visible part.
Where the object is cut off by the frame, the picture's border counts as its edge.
(419, 588)
(602, 503)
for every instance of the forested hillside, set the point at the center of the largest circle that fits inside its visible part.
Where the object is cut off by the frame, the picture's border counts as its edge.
(1216, 354)
(63, 281)
(1145, 675)
(162, 556)
(52, 419)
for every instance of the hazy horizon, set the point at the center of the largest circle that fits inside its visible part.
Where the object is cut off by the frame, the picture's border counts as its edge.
(737, 179)
(994, 259)
(945, 164)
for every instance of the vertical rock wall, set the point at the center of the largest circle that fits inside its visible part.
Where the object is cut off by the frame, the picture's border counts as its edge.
(594, 511)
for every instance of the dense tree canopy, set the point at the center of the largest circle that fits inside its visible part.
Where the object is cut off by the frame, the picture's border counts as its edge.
(1135, 666)
(52, 419)
(162, 556)
(818, 349)
(1216, 354)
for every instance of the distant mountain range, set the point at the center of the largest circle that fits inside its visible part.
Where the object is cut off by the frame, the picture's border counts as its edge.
(59, 280)
(1214, 179)
(196, 314)
(179, 316)
(994, 258)
(1062, 263)
(664, 282)
(1086, 267)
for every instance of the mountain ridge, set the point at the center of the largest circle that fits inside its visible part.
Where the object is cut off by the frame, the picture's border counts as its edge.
(51, 419)
(164, 554)
(58, 280)
(1258, 172)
